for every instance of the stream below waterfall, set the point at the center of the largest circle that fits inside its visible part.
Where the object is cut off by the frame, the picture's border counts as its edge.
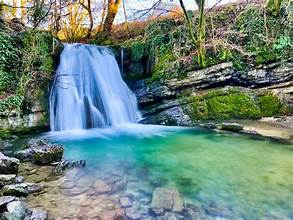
(218, 175)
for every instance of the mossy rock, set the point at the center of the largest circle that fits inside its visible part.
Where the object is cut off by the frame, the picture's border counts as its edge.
(48, 155)
(233, 104)
(270, 105)
(223, 104)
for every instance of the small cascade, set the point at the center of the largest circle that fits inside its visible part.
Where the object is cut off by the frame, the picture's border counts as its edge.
(88, 91)
(122, 61)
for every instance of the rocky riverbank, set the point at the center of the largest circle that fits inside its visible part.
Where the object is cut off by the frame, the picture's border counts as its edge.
(217, 93)
(15, 183)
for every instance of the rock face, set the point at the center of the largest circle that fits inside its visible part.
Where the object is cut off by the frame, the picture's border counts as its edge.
(165, 102)
(8, 165)
(166, 200)
(41, 152)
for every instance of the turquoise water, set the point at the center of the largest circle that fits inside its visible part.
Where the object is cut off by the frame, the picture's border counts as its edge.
(247, 178)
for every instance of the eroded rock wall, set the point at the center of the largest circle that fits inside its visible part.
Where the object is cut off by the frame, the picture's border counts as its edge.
(216, 93)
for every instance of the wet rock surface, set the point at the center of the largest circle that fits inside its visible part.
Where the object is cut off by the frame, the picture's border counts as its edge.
(40, 152)
(6, 179)
(38, 214)
(69, 164)
(21, 189)
(8, 165)
(230, 126)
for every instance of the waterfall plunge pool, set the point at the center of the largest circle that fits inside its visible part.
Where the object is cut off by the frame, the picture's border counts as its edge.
(218, 175)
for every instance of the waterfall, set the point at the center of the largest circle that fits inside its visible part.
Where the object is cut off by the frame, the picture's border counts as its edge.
(88, 91)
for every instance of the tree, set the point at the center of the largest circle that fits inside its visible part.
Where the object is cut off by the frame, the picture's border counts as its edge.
(198, 39)
(274, 7)
(112, 10)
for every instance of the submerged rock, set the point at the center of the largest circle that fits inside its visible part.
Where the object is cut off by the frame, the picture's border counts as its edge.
(125, 202)
(8, 165)
(165, 199)
(216, 210)
(40, 152)
(133, 214)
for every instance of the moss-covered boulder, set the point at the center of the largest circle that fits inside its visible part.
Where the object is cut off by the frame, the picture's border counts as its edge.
(222, 105)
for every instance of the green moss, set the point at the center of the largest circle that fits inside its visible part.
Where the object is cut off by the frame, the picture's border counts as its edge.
(270, 105)
(5, 134)
(232, 104)
(219, 104)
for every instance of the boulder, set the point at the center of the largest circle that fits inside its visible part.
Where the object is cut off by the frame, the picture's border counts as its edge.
(48, 154)
(40, 152)
(15, 210)
(38, 214)
(230, 127)
(167, 200)
(6, 179)
(173, 116)
(19, 179)
(8, 165)
(20, 190)
(14, 190)
(4, 200)
(68, 164)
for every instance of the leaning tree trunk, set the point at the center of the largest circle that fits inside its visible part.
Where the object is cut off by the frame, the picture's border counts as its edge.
(112, 9)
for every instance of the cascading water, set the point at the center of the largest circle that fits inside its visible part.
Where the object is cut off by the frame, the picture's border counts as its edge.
(88, 91)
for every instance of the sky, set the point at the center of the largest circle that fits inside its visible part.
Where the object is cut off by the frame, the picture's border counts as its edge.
(133, 5)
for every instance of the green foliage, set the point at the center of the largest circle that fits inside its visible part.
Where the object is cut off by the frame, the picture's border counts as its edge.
(37, 52)
(33, 61)
(8, 81)
(282, 43)
(267, 37)
(137, 51)
(9, 52)
(10, 104)
(270, 105)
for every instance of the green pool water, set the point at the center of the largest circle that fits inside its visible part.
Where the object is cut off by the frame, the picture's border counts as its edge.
(248, 178)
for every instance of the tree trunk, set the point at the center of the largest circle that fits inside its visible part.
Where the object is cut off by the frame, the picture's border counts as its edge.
(113, 6)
